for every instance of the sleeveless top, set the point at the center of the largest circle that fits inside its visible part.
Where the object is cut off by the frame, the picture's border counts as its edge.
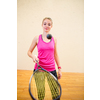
(46, 54)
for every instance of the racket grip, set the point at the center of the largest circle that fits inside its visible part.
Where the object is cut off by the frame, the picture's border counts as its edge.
(37, 62)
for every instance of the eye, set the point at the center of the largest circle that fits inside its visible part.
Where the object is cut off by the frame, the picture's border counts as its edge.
(49, 24)
(44, 23)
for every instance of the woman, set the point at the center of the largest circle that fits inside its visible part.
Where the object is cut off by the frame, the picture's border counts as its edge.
(47, 50)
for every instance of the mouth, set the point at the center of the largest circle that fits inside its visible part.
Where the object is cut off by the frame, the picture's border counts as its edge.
(46, 28)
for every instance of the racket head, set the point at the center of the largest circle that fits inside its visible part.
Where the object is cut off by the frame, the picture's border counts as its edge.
(44, 85)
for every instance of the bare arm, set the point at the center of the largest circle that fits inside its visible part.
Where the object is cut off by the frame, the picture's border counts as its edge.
(57, 60)
(32, 47)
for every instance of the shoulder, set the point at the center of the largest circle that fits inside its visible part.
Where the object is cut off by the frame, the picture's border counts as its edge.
(36, 38)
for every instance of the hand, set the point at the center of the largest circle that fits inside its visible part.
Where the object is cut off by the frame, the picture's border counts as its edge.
(35, 58)
(59, 74)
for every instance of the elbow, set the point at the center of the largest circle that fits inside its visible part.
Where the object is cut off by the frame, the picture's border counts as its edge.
(55, 55)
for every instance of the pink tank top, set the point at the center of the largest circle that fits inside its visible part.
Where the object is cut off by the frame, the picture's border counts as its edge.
(46, 54)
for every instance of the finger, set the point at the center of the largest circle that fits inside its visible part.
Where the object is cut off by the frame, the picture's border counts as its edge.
(37, 59)
(59, 76)
(34, 60)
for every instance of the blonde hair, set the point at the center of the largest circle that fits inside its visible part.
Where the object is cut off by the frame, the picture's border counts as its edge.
(48, 19)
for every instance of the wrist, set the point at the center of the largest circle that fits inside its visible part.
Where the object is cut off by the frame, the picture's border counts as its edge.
(59, 67)
(32, 56)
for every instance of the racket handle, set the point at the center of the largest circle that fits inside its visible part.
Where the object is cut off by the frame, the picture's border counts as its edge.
(37, 63)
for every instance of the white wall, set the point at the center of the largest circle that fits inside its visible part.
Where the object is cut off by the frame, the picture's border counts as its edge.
(68, 28)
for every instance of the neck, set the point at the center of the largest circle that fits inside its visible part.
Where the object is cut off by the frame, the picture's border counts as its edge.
(45, 34)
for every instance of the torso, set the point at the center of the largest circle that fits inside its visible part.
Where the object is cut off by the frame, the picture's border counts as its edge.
(46, 53)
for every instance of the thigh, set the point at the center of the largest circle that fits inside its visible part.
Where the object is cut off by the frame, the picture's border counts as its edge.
(54, 73)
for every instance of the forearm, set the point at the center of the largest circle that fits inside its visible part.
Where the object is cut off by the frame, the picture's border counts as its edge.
(59, 67)
(34, 57)
(57, 60)
(30, 54)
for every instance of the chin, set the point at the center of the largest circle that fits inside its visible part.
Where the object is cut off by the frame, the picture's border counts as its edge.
(46, 31)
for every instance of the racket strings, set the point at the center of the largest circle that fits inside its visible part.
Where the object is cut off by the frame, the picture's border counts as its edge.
(53, 86)
(40, 84)
(44, 86)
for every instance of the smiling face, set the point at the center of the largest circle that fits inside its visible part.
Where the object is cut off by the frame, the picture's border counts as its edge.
(47, 25)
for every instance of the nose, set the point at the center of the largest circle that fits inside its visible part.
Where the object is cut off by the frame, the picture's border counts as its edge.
(46, 25)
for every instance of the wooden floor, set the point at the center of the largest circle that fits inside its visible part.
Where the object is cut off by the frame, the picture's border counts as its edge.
(72, 85)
